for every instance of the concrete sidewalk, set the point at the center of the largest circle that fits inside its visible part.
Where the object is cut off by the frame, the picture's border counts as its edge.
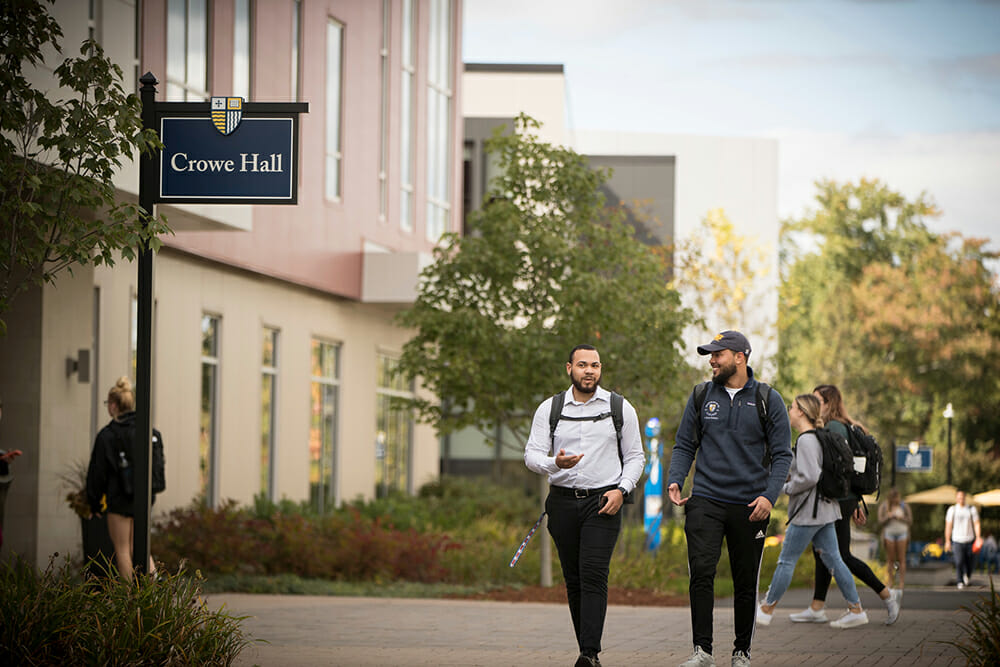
(303, 630)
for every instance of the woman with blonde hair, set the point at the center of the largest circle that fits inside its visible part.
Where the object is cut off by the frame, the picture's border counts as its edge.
(113, 451)
(895, 519)
(804, 526)
(835, 417)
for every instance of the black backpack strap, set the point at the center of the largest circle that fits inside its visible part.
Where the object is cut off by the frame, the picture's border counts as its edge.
(699, 393)
(121, 441)
(763, 397)
(555, 414)
(617, 415)
(618, 419)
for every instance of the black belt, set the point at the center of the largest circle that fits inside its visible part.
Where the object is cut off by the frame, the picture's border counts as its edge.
(579, 493)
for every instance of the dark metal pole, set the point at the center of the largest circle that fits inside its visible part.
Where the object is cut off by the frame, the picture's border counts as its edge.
(949, 449)
(892, 447)
(144, 352)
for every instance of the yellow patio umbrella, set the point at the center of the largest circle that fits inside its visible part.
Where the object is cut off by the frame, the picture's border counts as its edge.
(939, 495)
(987, 498)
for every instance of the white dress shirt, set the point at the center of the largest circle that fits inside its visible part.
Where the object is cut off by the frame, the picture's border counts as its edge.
(600, 465)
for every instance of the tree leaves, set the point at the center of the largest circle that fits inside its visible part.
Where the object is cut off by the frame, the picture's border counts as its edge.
(544, 266)
(901, 319)
(59, 151)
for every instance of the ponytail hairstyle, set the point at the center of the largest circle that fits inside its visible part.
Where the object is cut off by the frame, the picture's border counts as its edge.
(810, 408)
(123, 395)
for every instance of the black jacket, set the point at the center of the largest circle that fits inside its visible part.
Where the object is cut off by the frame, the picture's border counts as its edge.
(102, 474)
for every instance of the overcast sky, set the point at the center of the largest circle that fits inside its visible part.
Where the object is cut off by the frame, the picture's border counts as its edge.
(907, 91)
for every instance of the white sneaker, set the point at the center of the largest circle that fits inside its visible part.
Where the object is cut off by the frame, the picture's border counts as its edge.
(965, 579)
(961, 585)
(763, 618)
(892, 605)
(741, 659)
(810, 615)
(699, 659)
(850, 620)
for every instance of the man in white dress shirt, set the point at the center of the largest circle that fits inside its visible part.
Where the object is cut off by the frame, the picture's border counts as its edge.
(590, 475)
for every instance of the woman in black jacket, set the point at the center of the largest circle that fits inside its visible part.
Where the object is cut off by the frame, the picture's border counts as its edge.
(106, 479)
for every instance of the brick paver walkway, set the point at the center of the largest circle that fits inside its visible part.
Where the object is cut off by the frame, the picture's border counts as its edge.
(305, 630)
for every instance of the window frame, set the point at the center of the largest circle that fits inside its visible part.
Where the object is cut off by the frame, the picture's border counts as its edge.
(333, 164)
(329, 386)
(268, 439)
(208, 456)
(180, 85)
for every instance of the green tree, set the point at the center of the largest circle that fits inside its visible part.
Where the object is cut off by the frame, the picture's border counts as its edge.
(723, 271)
(544, 265)
(901, 319)
(59, 151)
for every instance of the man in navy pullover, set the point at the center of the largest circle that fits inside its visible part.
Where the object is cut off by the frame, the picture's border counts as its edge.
(735, 486)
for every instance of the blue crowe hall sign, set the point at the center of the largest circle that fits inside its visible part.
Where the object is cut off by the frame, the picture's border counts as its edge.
(228, 151)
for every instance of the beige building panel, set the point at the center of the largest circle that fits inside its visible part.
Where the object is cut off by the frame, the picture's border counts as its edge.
(187, 287)
(66, 327)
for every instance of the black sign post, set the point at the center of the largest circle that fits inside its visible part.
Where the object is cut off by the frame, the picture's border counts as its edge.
(234, 162)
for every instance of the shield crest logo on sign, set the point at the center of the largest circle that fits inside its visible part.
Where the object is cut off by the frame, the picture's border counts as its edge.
(227, 113)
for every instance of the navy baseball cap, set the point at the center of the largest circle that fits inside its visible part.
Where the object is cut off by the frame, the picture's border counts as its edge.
(727, 340)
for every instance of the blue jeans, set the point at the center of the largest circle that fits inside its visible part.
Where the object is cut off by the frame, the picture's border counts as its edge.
(824, 538)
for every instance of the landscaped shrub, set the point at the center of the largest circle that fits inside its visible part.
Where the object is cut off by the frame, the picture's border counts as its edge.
(343, 545)
(455, 531)
(53, 617)
(980, 637)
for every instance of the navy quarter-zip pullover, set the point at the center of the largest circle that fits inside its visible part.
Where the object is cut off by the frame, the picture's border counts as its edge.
(730, 456)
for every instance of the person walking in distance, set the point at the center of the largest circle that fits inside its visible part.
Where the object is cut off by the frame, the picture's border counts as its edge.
(744, 453)
(895, 518)
(816, 526)
(113, 450)
(836, 419)
(591, 473)
(961, 530)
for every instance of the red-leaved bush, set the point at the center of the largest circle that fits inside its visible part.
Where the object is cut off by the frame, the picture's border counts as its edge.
(342, 546)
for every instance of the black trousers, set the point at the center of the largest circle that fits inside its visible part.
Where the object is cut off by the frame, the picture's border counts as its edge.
(585, 541)
(857, 566)
(706, 523)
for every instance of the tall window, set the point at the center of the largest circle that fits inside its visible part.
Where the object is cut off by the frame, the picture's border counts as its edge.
(406, 116)
(268, 409)
(241, 48)
(334, 77)
(208, 437)
(439, 92)
(383, 155)
(296, 50)
(187, 50)
(394, 429)
(323, 391)
(133, 337)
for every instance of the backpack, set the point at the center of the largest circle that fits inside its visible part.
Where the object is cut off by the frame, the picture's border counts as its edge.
(157, 478)
(864, 445)
(763, 393)
(836, 472)
(617, 415)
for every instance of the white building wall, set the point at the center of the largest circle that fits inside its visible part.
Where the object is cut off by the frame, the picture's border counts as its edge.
(541, 95)
(739, 175)
(62, 434)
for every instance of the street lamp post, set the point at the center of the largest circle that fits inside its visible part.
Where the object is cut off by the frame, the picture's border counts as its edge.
(948, 414)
